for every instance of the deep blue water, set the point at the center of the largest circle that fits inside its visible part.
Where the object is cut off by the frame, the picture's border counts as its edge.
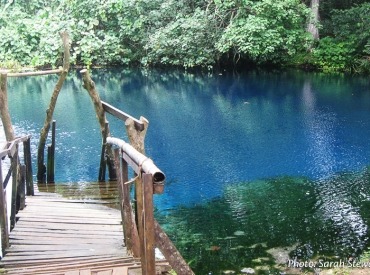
(208, 132)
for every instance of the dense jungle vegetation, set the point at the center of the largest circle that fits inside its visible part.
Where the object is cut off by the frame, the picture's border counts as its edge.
(188, 33)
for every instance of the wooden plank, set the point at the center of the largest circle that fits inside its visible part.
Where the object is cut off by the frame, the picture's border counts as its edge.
(40, 256)
(66, 241)
(139, 125)
(105, 272)
(45, 247)
(120, 271)
(71, 261)
(64, 234)
(83, 221)
(87, 227)
(93, 268)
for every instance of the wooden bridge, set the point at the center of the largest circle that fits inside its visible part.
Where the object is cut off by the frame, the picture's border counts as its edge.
(45, 233)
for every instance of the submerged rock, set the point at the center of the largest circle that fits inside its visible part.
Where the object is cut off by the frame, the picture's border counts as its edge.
(247, 270)
(281, 254)
(228, 272)
(239, 233)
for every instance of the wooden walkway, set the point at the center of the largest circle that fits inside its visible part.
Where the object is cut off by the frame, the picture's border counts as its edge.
(54, 235)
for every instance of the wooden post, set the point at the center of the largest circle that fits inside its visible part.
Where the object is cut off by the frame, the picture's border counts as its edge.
(89, 85)
(144, 189)
(50, 172)
(3, 215)
(41, 169)
(13, 204)
(170, 252)
(128, 221)
(137, 137)
(22, 188)
(120, 178)
(28, 163)
(103, 161)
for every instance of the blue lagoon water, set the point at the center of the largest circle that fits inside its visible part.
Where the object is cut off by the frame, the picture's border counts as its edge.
(254, 161)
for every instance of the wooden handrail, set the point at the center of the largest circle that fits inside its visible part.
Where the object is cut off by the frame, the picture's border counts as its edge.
(141, 238)
(11, 146)
(18, 191)
(139, 125)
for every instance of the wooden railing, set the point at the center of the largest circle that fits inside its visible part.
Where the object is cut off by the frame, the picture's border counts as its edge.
(22, 184)
(142, 232)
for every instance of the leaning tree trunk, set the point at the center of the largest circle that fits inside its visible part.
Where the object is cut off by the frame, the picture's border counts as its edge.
(89, 85)
(41, 169)
(312, 26)
(4, 110)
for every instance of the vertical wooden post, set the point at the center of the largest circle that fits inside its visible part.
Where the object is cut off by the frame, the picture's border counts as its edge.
(22, 188)
(146, 223)
(120, 181)
(3, 215)
(13, 204)
(103, 161)
(128, 218)
(28, 163)
(50, 171)
(49, 165)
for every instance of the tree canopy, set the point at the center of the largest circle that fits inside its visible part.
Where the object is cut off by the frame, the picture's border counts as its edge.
(190, 33)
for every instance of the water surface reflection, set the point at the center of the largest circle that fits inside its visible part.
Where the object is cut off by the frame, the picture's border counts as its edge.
(279, 158)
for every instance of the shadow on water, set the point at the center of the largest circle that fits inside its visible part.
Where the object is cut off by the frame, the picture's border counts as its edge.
(264, 223)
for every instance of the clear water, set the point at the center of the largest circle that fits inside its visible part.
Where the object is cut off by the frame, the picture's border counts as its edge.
(254, 161)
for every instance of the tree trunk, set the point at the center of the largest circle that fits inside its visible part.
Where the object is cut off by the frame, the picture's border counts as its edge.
(312, 26)
(41, 169)
(4, 110)
(89, 85)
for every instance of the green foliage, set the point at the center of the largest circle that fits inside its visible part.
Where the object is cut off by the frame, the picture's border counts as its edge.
(181, 33)
(332, 55)
(266, 31)
(187, 41)
(348, 49)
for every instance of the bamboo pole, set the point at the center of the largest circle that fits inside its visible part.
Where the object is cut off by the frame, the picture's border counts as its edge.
(41, 169)
(89, 85)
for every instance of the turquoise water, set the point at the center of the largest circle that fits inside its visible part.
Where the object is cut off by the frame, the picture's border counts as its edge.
(254, 161)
